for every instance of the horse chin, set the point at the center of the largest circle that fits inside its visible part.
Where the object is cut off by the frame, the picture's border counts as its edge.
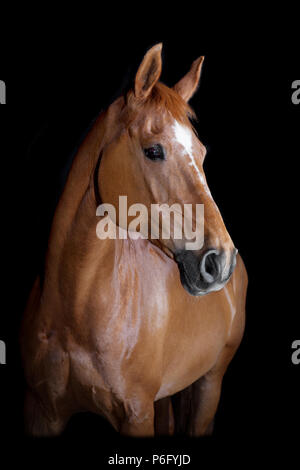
(189, 286)
(192, 289)
(196, 292)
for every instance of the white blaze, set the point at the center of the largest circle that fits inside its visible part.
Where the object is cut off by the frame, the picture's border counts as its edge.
(184, 137)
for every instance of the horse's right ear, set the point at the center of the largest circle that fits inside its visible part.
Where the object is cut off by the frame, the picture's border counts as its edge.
(149, 72)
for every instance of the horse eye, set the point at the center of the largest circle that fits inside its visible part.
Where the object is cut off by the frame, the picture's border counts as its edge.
(156, 152)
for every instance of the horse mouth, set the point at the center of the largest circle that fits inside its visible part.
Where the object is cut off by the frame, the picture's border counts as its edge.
(188, 284)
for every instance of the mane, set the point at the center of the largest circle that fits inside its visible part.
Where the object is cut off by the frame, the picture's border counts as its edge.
(162, 100)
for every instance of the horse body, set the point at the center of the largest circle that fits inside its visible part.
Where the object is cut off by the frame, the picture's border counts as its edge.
(111, 329)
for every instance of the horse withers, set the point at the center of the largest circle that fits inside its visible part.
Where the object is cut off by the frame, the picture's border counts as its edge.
(138, 330)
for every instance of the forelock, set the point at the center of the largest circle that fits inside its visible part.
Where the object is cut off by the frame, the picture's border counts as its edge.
(161, 101)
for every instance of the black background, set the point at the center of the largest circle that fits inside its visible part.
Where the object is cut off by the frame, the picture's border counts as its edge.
(247, 120)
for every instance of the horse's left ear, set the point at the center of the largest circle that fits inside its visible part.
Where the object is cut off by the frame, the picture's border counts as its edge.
(187, 86)
(149, 72)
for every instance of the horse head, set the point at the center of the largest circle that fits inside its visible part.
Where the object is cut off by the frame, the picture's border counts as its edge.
(152, 155)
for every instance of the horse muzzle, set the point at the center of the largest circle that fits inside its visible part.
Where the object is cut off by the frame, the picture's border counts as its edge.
(206, 273)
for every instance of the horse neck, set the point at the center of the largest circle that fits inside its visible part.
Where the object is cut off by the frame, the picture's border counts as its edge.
(74, 223)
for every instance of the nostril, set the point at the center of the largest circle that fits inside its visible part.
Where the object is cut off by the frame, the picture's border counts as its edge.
(210, 264)
(209, 267)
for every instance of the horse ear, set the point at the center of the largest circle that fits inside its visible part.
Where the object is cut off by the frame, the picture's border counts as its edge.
(187, 86)
(149, 72)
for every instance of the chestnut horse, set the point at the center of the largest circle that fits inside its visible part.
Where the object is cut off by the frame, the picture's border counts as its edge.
(139, 331)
